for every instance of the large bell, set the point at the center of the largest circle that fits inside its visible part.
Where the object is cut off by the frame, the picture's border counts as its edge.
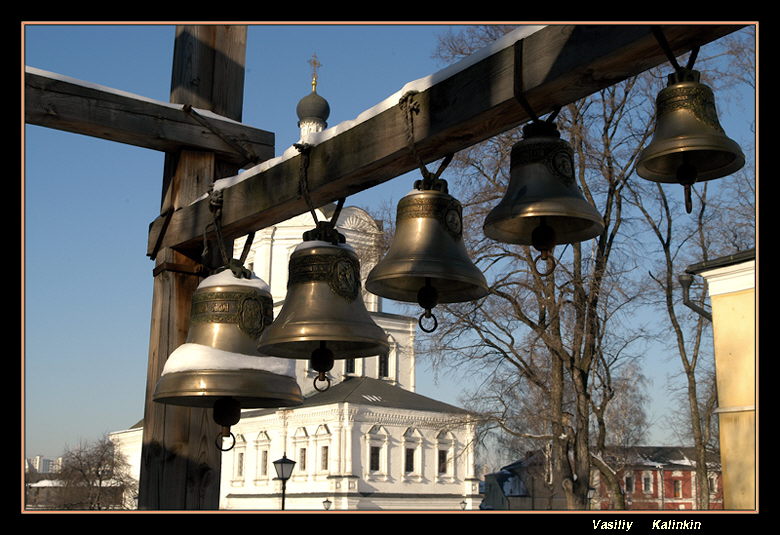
(542, 206)
(220, 360)
(688, 144)
(323, 317)
(427, 262)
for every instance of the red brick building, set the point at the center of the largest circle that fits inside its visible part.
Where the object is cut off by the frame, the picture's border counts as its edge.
(652, 478)
(661, 478)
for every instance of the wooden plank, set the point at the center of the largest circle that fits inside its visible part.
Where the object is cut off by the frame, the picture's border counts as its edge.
(55, 101)
(552, 67)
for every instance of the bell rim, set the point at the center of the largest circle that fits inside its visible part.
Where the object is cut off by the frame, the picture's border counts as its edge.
(660, 151)
(377, 285)
(172, 388)
(282, 347)
(497, 219)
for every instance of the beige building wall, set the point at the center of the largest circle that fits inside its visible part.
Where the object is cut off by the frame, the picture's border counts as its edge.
(733, 298)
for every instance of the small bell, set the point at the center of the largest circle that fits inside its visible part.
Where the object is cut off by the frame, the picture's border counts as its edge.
(219, 366)
(323, 317)
(689, 144)
(427, 262)
(542, 205)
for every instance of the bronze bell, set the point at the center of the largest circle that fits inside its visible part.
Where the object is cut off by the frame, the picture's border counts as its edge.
(542, 205)
(427, 262)
(323, 317)
(219, 365)
(688, 144)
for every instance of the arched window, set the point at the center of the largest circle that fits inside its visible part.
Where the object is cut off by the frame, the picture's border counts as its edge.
(263, 448)
(445, 455)
(239, 461)
(322, 438)
(412, 454)
(375, 458)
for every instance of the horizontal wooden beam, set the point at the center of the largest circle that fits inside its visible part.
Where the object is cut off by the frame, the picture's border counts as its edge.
(63, 103)
(552, 67)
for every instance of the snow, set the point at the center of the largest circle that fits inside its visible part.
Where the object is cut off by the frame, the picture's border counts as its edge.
(226, 278)
(127, 94)
(310, 244)
(189, 356)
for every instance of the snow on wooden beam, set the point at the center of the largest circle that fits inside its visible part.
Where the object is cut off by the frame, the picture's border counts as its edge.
(56, 101)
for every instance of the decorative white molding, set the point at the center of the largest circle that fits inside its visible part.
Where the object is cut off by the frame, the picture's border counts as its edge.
(731, 279)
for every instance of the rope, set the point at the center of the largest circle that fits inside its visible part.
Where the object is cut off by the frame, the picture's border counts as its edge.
(303, 179)
(248, 155)
(430, 180)
(664, 44)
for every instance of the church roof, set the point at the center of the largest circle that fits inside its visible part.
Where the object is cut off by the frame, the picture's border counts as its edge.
(373, 392)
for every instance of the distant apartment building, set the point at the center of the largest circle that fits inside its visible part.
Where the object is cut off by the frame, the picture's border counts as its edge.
(43, 465)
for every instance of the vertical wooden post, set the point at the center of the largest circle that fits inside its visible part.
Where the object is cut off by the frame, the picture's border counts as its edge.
(180, 463)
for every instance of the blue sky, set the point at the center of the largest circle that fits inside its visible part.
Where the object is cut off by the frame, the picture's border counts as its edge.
(88, 202)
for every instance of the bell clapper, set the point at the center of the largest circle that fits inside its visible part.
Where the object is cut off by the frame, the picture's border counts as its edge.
(322, 362)
(686, 175)
(428, 298)
(543, 240)
(227, 412)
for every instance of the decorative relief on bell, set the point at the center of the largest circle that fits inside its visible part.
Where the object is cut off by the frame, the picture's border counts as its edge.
(445, 209)
(249, 311)
(554, 154)
(697, 99)
(341, 271)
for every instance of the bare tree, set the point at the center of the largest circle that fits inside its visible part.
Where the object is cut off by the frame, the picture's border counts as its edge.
(95, 476)
(540, 340)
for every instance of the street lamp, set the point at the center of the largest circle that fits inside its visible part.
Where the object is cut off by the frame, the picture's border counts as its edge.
(463, 505)
(326, 503)
(284, 468)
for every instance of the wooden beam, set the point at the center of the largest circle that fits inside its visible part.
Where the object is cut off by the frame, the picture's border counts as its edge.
(180, 462)
(55, 101)
(556, 65)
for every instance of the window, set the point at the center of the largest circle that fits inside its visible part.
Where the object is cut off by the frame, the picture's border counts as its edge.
(713, 483)
(324, 458)
(300, 443)
(263, 447)
(409, 460)
(445, 466)
(677, 488)
(629, 484)
(240, 464)
(647, 484)
(349, 365)
(442, 461)
(374, 460)
(238, 450)
(302, 459)
(264, 463)
(384, 366)
(413, 455)
(375, 454)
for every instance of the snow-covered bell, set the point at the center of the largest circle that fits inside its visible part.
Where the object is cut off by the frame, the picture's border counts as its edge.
(219, 365)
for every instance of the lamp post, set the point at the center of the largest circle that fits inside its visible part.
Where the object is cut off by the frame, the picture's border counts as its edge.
(284, 468)
(326, 503)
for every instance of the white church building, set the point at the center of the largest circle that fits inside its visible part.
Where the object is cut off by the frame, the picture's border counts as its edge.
(368, 442)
